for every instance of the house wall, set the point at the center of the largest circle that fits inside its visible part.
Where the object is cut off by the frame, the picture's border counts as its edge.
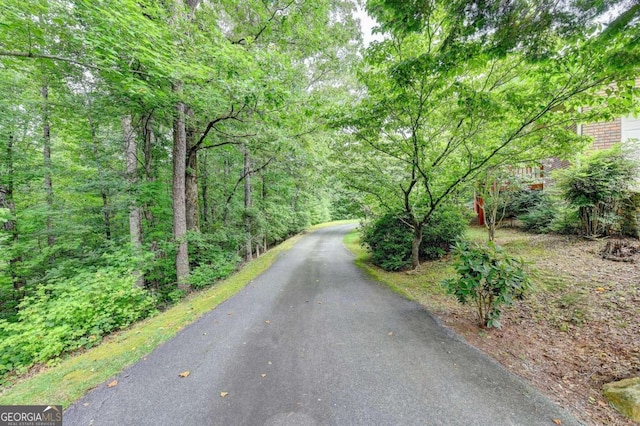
(631, 129)
(604, 134)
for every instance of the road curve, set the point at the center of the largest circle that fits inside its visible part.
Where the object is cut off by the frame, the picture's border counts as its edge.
(313, 341)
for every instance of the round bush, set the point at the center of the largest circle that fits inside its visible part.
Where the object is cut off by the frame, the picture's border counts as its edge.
(389, 237)
(389, 240)
(446, 226)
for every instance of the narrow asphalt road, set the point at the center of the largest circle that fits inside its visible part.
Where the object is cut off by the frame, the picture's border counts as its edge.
(313, 341)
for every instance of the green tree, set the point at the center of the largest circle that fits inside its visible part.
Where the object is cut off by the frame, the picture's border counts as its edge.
(447, 96)
(109, 191)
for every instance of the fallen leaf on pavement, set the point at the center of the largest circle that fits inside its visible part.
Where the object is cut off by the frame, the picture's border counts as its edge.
(390, 333)
(184, 374)
(223, 394)
(557, 421)
(263, 375)
(112, 384)
(267, 322)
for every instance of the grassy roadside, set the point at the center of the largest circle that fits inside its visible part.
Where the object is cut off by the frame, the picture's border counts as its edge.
(422, 286)
(76, 374)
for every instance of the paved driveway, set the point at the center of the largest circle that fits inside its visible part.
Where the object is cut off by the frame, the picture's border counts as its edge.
(313, 341)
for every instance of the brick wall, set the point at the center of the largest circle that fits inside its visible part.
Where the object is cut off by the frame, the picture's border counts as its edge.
(605, 135)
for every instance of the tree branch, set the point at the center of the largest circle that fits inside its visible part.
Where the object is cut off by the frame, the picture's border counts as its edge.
(238, 182)
(231, 116)
(243, 40)
(45, 56)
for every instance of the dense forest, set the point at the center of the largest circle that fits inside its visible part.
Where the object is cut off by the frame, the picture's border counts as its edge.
(147, 147)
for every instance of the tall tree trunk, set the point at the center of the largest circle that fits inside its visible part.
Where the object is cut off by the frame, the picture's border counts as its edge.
(179, 191)
(204, 178)
(10, 226)
(264, 212)
(149, 140)
(227, 173)
(106, 211)
(191, 176)
(180, 169)
(46, 151)
(131, 157)
(247, 203)
(415, 245)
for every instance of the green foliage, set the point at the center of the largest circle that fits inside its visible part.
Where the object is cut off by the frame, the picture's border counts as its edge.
(211, 261)
(523, 201)
(597, 187)
(489, 278)
(536, 212)
(69, 314)
(542, 213)
(566, 220)
(205, 275)
(447, 224)
(390, 237)
(631, 216)
(457, 89)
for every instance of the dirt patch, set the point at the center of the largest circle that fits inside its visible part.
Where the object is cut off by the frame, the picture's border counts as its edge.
(578, 330)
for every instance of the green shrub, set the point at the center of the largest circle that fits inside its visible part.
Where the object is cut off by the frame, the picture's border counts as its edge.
(211, 258)
(523, 201)
(390, 237)
(539, 215)
(631, 216)
(489, 278)
(445, 227)
(597, 187)
(222, 265)
(566, 220)
(69, 314)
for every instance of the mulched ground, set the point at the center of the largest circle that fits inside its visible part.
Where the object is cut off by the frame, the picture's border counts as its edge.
(579, 332)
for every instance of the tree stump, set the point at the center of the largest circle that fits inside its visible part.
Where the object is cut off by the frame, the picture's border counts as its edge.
(620, 251)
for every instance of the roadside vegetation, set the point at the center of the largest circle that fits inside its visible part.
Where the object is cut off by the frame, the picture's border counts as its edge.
(556, 303)
(68, 377)
(149, 149)
(576, 330)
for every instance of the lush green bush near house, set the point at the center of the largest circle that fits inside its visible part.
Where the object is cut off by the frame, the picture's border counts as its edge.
(524, 200)
(538, 214)
(447, 225)
(597, 187)
(389, 237)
